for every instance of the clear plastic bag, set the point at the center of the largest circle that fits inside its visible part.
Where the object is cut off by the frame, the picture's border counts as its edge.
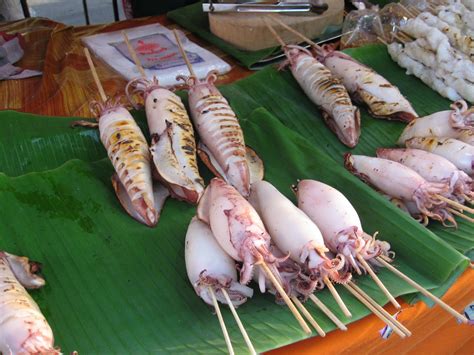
(361, 27)
(393, 17)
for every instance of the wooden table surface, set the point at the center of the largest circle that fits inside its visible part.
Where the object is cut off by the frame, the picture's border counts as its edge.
(66, 88)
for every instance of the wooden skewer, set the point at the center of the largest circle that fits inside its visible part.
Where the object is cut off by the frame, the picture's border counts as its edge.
(239, 322)
(337, 297)
(455, 204)
(94, 75)
(377, 281)
(422, 290)
(183, 54)
(375, 311)
(308, 316)
(380, 309)
(459, 214)
(295, 32)
(285, 297)
(274, 33)
(468, 199)
(407, 11)
(381, 40)
(134, 55)
(327, 312)
(221, 322)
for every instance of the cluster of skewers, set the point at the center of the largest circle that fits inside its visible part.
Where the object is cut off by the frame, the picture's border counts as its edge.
(437, 46)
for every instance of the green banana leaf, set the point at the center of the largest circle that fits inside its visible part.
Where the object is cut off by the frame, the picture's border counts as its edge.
(195, 20)
(116, 286)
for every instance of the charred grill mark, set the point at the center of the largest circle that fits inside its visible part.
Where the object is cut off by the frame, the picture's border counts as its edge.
(385, 85)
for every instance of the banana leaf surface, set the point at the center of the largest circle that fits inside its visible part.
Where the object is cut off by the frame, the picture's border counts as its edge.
(116, 286)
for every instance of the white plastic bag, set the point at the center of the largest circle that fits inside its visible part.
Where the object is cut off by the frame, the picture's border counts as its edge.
(158, 52)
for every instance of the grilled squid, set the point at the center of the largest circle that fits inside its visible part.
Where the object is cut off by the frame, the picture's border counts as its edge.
(399, 181)
(457, 152)
(434, 168)
(382, 99)
(173, 147)
(222, 146)
(128, 152)
(23, 328)
(295, 234)
(208, 266)
(327, 92)
(449, 124)
(339, 223)
(237, 228)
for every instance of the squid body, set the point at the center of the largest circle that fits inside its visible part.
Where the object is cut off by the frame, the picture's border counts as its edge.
(366, 86)
(294, 233)
(339, 223)
(23, 328)
(209, 266)
(173, 146)
(327, 92)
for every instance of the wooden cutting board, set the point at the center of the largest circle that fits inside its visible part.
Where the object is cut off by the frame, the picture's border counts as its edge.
(248, 31)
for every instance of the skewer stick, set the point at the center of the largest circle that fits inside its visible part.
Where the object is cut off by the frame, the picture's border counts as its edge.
(408, 11)
(381, 40)
(375, 311)
(239, 322)
(378, 282)
(274, 33)
(337, 297)
(295, 32)
(308, 316)
(134, 55)
(285, 297)
(455, 204)
(422, 290)
(94, 75)
(183, 54)
(327, 312)
(468, 199)
(221, 322)
(459, 214)
(380, 309)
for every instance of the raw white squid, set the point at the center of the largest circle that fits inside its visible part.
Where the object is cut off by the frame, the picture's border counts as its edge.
(294, 233)
(23, 328)
(209, 266)
(339, 223)
(433, 168)
(459, 153)
(173, 147)
(397, 180)
(237, 228)
(382, 99)
(327, 92)
(449, 123)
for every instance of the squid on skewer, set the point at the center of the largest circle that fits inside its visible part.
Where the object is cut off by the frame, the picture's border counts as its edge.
(382, 99)
(209, 266)
(434, 168)
(23, 328)
(222, 146)
(339, 223)
(459, 153)
(128, 152)
(173, 147)
(448, 124)
(237, 228)
(295, 234)
(399, 181)
(327, 92)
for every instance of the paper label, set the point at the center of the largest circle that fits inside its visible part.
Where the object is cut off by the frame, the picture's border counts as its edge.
(156, 51)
